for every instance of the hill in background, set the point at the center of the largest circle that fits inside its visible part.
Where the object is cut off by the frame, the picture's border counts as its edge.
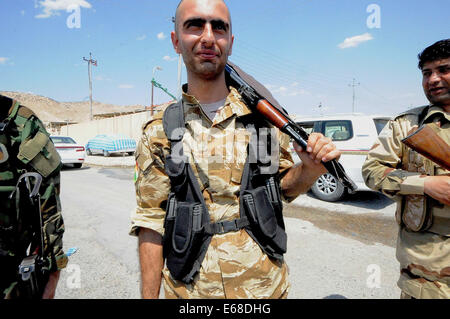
(49, 110)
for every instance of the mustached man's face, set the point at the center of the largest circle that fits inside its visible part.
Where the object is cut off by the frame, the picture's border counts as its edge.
(436, 81)
(203, 37)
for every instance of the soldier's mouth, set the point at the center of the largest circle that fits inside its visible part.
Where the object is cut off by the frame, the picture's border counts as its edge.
(437, 91)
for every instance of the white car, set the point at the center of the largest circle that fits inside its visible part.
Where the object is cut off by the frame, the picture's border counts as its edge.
(354, 135)
(69, 150)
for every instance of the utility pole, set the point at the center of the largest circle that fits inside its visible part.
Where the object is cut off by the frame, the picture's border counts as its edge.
(353, 87)
(93, 62)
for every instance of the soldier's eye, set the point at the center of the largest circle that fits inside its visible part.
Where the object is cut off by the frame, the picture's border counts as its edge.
(219, 25)
(444, 69)
(194, 23)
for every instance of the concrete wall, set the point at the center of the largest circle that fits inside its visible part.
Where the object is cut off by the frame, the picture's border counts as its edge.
(130, 125)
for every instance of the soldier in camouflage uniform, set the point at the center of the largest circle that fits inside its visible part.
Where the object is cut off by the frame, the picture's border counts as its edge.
(216, 143)
(420, 187)
(25, 147)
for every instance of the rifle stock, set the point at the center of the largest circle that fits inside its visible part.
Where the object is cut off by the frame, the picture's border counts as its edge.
(426, 142)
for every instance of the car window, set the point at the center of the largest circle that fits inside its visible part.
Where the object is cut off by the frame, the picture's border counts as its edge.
(307, 126)
(380, 124)
(62, 139)
(338, 130)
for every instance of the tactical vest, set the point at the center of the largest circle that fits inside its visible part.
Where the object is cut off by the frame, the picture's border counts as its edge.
(188, 230)
(19, 153)
(416, 211)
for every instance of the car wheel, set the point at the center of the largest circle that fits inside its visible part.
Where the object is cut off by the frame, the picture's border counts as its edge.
(328, 188)
(130, 153)
(105, 153)
(77, 165)
(88, 151)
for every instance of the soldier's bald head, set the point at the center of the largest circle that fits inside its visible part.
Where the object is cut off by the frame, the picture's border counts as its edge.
(206, 4)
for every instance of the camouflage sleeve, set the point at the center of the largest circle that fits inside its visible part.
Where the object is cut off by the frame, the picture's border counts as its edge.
(53, 222)
(382, 169)
(39, 153)
(151, 182)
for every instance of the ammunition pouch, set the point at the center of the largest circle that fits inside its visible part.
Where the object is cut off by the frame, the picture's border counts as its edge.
(416, 212)
(32, 278)
(185, 240)
(263, 222)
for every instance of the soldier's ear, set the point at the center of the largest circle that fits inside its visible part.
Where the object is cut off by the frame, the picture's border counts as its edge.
(231, 45)
(175, 42)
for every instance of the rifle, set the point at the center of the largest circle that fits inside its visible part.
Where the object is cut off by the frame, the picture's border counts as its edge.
(258, 100)
(426, 142)
(33, 274)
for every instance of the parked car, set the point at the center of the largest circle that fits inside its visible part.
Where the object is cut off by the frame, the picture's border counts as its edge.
(69, 151)
(107, 144)
(353, 135)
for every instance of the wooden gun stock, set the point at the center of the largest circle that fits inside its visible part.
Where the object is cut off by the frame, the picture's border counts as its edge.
(426, 142)
(271, 113)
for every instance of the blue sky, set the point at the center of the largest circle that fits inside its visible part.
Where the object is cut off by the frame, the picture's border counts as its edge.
(297, 48)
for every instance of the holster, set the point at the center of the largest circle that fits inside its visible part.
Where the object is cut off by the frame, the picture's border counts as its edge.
(263, 207)
(415, 212)
(185, 241)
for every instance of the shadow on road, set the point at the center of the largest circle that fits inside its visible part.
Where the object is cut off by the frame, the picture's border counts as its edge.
(71, 168)
(335, 296)
(363, 199)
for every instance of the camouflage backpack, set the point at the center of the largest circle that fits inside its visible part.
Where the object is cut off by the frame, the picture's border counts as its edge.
(24, 146)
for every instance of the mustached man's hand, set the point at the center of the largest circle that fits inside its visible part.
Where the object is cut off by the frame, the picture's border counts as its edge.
(438, 187)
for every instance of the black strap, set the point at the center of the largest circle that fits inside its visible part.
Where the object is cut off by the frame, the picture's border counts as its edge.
(173, 122)
(226, 226)
(423, 114)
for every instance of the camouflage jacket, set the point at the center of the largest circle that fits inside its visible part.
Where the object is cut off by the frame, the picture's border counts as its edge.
(423, 246)
(25, 147)
(234, 265)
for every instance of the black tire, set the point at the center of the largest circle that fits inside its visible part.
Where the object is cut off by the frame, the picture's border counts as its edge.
(77, 165)
(328, 188)
(105, 153)
(88, 151)
(130, 153)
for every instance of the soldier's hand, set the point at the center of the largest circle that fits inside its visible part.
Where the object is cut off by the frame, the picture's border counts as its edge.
(438, 187)
(319, 148)
(50, 288)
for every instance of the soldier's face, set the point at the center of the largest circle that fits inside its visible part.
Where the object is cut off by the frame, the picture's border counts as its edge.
(203, 36)
(436, 81)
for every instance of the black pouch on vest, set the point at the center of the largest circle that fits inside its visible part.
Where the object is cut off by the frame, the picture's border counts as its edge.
(185, 240)
(262, 216)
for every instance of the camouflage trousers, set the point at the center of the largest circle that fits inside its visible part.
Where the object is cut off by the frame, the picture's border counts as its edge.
(404, 295)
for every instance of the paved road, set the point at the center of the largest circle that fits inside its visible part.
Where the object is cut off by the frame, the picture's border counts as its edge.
(334, 250)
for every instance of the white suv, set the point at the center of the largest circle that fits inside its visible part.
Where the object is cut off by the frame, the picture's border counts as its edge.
(354, 135)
